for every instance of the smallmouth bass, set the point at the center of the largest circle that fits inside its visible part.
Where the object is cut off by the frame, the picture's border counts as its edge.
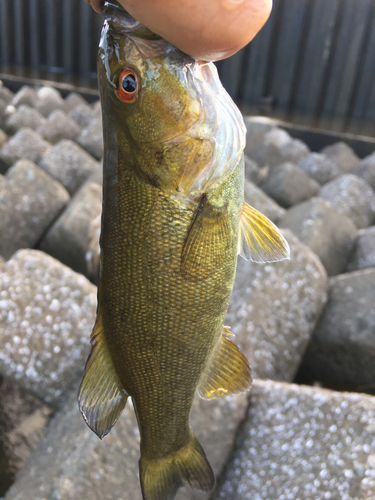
(174, 220)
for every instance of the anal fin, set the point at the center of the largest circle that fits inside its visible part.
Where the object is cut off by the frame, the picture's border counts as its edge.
(259, 239)
(228, 371)
(101, 397)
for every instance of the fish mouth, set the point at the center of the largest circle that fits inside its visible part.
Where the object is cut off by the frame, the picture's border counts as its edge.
(122, 22)
(115, 13)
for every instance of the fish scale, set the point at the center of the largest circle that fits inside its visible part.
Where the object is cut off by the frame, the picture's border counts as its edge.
(174, 220)
(164, 332)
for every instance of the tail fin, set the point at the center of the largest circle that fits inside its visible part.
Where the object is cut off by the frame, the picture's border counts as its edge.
(161, 478)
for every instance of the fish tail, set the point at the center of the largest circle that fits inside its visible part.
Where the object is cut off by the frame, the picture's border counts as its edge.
(161, 478)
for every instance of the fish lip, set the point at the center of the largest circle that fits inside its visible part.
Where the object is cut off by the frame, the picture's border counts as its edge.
(114, 12)
(121, 21)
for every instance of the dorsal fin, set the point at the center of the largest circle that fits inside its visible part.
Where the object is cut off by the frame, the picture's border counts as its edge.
(101, 397)
(228, 371)
(259, 239)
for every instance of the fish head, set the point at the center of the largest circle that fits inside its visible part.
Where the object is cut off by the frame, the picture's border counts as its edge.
(163, 106)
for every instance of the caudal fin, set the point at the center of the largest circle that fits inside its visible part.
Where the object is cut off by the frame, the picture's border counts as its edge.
(161, 478)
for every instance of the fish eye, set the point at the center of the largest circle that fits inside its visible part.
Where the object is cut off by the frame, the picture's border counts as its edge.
(127, 87)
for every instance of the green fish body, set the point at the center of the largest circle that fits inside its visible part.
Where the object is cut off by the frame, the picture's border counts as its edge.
(173, 223)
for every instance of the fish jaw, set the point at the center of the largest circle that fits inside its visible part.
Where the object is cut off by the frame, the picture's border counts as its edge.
(164, 109)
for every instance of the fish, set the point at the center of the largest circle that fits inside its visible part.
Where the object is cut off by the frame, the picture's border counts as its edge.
(174, 220)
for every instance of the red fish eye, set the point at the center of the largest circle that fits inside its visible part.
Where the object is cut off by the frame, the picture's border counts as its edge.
(127, 87)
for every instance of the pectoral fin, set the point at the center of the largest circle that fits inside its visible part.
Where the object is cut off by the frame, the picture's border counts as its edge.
(101, 397)
(259, 239)
(228, 371)
(207, 243)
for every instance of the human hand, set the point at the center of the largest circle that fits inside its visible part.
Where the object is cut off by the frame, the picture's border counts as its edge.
(206, 29)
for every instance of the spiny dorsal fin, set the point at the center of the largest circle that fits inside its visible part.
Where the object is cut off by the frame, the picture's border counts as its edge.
(101, 397)
(259, 239)
(207, 244)
(228, 371)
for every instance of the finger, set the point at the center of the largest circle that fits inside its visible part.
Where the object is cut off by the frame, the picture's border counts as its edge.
(95, 4)
(209, 29)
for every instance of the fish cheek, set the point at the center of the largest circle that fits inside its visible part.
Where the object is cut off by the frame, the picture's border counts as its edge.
(161, 113)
